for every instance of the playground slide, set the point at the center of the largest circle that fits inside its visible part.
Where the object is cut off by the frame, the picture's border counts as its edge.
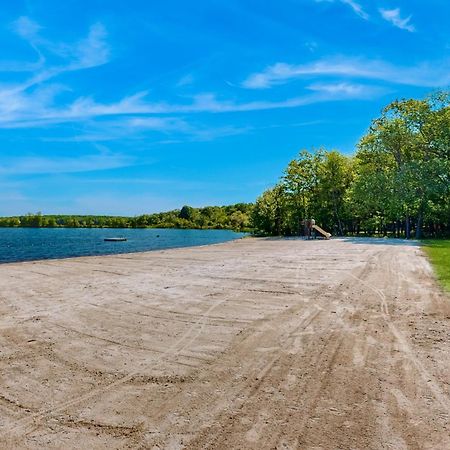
(321, 231)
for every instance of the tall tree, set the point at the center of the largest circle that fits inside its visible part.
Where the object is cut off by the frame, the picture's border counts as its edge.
(335, 174)
(269, 213)
(299, 182)
(412, 139)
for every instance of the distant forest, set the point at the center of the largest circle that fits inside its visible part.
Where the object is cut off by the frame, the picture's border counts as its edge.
(396, 184)
(233, 217)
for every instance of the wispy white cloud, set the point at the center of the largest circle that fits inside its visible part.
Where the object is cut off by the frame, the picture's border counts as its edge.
(394, 17)
(85, 53)
(83, 163)
(139, 127)
(90, 51)
(210, 103)
(126, 127)
(22, 109)
(36, 110)
(22, 66)
(156, 123)
(348, 89)
(35, 102)
(355, 6)
(85, 107)
(33, 98)
(26, 28)
(185, 80)
(425, 74)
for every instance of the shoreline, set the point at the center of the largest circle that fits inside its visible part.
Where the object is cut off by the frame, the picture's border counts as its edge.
(356, 239)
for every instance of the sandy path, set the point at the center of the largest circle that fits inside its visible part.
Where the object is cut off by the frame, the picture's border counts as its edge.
(249, 344)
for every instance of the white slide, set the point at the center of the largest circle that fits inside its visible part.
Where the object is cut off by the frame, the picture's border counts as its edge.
(321, 231)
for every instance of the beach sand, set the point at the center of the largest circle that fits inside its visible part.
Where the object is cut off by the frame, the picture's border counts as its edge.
(255, 343)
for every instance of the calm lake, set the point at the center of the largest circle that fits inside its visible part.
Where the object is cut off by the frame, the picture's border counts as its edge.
(27, 244)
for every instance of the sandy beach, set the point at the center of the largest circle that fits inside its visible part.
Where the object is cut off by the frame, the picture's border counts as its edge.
(255, 343)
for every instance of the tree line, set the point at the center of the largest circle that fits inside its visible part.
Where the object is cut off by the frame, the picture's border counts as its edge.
(397, 183)
(233, 217)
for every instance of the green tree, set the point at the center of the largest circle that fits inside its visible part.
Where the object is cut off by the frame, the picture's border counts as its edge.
(269, 213)
(299, 182)
(411, 139)
(186, 212)
(335, 175)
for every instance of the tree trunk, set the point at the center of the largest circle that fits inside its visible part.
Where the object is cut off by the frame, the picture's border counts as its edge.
(407, 227)
(419, 225)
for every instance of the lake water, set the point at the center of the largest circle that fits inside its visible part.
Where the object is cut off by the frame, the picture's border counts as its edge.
(27, 244)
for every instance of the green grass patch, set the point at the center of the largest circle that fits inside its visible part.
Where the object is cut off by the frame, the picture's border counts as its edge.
(439, 253)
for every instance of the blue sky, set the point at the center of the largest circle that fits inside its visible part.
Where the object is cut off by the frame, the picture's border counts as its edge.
(131, 107)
